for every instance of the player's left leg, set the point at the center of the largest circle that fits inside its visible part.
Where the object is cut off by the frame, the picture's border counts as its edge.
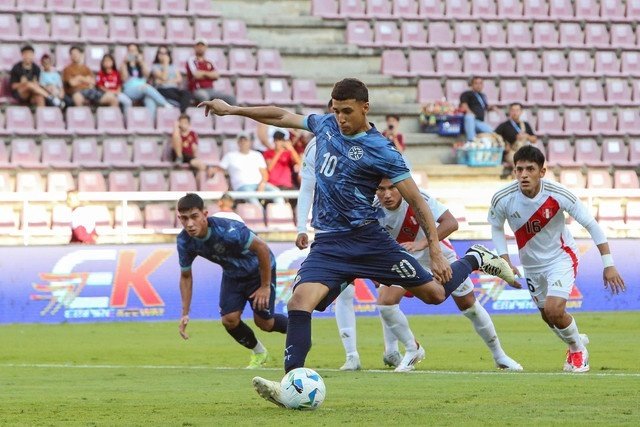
(244, 335)
(482, 323)
(346, 321)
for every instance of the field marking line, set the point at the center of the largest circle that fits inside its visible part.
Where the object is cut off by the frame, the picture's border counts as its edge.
(376, 371)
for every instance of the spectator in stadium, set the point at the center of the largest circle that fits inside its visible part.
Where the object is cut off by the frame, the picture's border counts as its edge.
(226, 205)
(168, 80)
(24, 80)
(135, 73)
(265, 136)
(202, 74)
(474, 105)
(247, 169)
(185, 144)
(51, 81)
(109, 81)
(83, 224)
(80, 83)
(282, 162)
(516, 133)
(392, 132)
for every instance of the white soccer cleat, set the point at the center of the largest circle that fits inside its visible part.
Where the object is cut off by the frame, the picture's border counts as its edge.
(268, 390)
(392, 359)
(351, 364)
(493, 264)
(410, 359)
(508, 364)
(578, 361)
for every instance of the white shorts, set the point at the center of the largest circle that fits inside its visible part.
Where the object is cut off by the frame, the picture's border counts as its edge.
(464, 289)
(554, 281)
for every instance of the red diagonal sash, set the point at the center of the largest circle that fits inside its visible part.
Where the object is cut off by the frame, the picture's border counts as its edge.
(409, 229)
(537, 222)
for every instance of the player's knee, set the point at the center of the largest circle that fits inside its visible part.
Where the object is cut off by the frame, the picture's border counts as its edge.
(553, 315)
(263, 324)
(230, 322)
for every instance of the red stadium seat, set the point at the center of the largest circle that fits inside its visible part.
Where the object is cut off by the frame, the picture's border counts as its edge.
(228, 125)
(528, 62)
(352, 8)
(622, 35)
(34, 27)
(596, 35)
(630, 61)
(587, 9)
(61, 6)
(270, 63)
(612, 10)
(474, 62)
(562, 9)
(491, 90)
(483, 8)
(201, 8)
(458, 8)
(603, 121)
(64, 29)
(147, 153)
(122, 181)
(110, 121)
(628, 120)
(431, 8)
(625, 179)
(430, 91)
(234, 32)
(277, 91)
(150, 29)
(217, 183)
(158, 216)
(116, 153)
(448, 62)
(131, 214)
(152, 180)
(633, 10)
(199, 123)
(571, 34)
(493, 34)
(518, 34)
(49, 121)
(599, 179)
(173, 7)
(208, 151)
(121, 30)
(9, 30)
(511, 91)
(139, 120)
(614, 152)
(91, 181)
(407, 9)
(413, 34)
(607, 63)
(386, 34)
(591, 92)
(588, 153)
(394, 63)
(545, 34)
(536, 9)
(179, 31)
(37, 218)
(554, 62)
(93, 29)
(510, 8)
(182, 180)
(359, 32)
(454, 88)
(549, 121)
(209, 30)
(4, 161)
(565, 92)
(29, 182)
(440, 34)
(93, 56)
(165, 119)
(248, 91)
(324, 8)
(501, 63)
(85, 153)
(572, 178)
(580, 63)
(379, 9)
(576, 121)
(111, 7)
(19, 120)
(147, 7)
(60, 181)
(539, 92)
(55, 154)
(467, 34)
(9, 53)
(25, 154)
(252, 215)
(634, 152)
(242, 61)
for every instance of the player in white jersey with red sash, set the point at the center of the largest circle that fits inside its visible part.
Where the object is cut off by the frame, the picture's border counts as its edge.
(398, 219)
(534, 209)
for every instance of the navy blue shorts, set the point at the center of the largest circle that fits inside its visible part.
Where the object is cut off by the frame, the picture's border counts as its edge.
(235, 291)
(367, 252)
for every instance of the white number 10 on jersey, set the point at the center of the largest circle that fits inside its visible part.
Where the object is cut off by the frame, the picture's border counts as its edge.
(328, 165)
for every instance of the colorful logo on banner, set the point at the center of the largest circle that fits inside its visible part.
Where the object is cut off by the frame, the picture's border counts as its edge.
(101, 294)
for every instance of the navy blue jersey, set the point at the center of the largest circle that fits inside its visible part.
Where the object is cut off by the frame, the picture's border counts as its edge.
(226, 244)
(348, 170)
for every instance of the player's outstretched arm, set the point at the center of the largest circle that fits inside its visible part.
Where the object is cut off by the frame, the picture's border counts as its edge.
(610, 275)
(439, 265)
(268, 115)
(186, 291)
(261, 296)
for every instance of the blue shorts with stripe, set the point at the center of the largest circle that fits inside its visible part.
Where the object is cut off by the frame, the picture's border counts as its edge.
(367, 252)
(235, 292)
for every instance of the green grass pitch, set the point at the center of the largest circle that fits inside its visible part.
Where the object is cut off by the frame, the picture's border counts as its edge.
(133, 374)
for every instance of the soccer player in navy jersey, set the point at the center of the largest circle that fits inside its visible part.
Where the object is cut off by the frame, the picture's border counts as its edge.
(248, 273)
(351, 159)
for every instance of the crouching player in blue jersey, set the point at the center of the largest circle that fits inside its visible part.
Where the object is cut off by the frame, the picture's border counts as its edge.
(248, 273)
(351, 159)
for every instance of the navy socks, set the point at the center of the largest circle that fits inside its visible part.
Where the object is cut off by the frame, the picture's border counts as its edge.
(298, 341)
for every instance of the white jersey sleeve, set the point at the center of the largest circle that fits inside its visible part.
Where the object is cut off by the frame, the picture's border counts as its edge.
(307, 186)
(497, 211)
(579, 212)
(437, 208)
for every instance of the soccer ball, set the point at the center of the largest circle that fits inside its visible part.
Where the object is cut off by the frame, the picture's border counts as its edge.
(302, 388)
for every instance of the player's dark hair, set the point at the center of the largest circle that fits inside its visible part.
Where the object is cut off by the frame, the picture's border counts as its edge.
(392, 116)
(278, 136)
(184, 116)
(76, 47)
(190, 201)
(330, 104)
(350, 89)
(27, 48)
(515, 104)
(529, 153)
(473, 79)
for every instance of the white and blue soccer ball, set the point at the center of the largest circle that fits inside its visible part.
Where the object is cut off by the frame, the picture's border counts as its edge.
(302, 388)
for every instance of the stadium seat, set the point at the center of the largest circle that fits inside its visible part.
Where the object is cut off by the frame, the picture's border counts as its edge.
(518, 34)
(270, 63)
(324, 9)
(132, 215)
(111, 7)
(494, 118)
(64, 29)
(587, 9)
(9, 220)
(501, 63)
(493, 35)
(55, 154)
(622, 35)
(93, 29)
(588, 153)
(248, 91)
(386, 34)
(103, 219)
(25, 154)
(457, 8)
(559, 152)
(625, 178)
(380, 9)
(150, 29)
(439, 34)
(430, 91)
(474, 62)
(511, 91)
(31, 5)
(110, 121)
(9, 30)
(510, 8)
(179, 31)
(407, 9)
(572, 178)
(144, 7)
(634, 152)
(610, 213)
(359, 33)
(199, 123)
(599, 179)
(166, 118)
(121, 30)
(539, 92)
(576, 121)
(565, 92)
(352, 8)
(228, 125)
(591, 92)
(448, 62)
(37, 218)
(139, 121)
(93, 56)
(80, 121)
(242, 62)
(571, 34)
(217, 183)
(34, 27)
(49, 121)
(152, 180)
(580, 63)
(549, 121)
(19, 120)
(92, 181)
(545, 34)
(483, 9)
(554, 62)
(413, 34)
(467, 34)
(394, 63)
(628, 120)
(596, 35)
(158, 216)
(4, 159)
(280, 217)
(528, 63)
(85, 153)
(453, 90)
(208, 151)
(491, 90)
(61, 56)
(615, 152)
(607, 63)
(561, 9)
(61, 220)
(147, 154)
(173, 7)
(632, 215)
(182, 180)
(603, 121)
(277, 91)
(209, 30)
(29, 182)
(8, 54)
(536, 9)
(60, 181)
(218, 58)
(253, 215)
(229, 145)
(234, 32)
(116, 154)
(202, 8)
(630, 62)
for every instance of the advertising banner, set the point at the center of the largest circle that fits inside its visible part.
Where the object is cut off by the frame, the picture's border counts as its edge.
(71, 283)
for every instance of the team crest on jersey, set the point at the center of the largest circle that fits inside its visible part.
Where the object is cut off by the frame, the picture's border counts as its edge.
(219, 248)
(547, 213)
(356, 153)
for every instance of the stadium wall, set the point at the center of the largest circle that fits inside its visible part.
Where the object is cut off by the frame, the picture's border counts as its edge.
(140, 283)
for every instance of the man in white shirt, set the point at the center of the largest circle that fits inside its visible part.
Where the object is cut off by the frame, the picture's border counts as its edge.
(247, 169)
(534, 209)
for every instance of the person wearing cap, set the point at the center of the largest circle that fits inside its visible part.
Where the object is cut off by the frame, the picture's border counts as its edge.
(225, 204)
(201, 76)
(51, 80)
(24, 80)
